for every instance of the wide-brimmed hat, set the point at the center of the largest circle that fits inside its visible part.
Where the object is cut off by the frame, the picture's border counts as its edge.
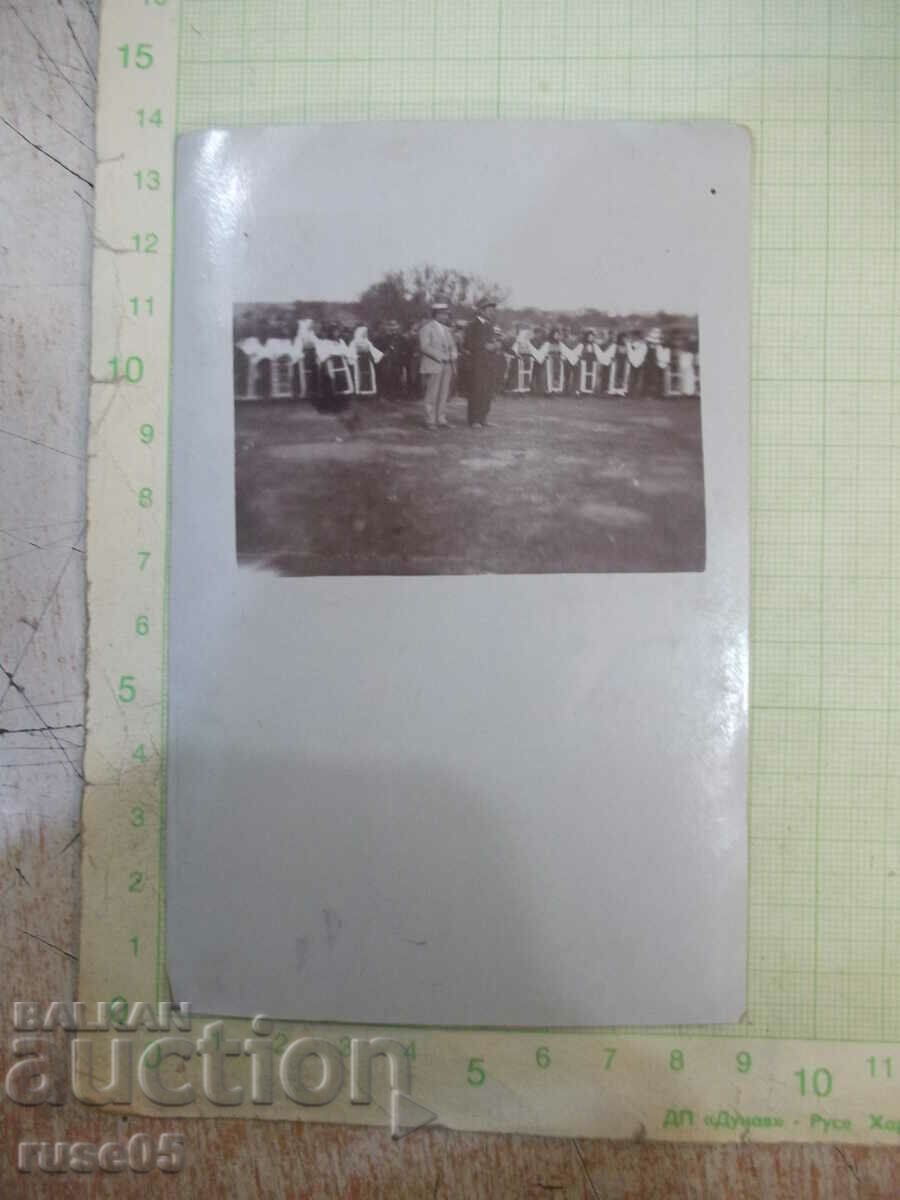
(487, 302)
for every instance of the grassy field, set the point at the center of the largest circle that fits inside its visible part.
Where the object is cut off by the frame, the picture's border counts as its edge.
(556, 485)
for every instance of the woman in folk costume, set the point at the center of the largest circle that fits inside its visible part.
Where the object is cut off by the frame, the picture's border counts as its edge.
(671, 371)
(250, 352)
(524, 356)
(586, 365)
(571, 342)
(687, 370)
(553, 357)
(618, 366)
(658, 357)
(364, 357)
(281, 353)
(305, 356)
(605, 355)
(663, 355)
(307, 336)
(636, 351)
(336, 379)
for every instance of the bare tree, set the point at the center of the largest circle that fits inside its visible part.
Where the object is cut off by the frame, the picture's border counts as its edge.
(407, 295)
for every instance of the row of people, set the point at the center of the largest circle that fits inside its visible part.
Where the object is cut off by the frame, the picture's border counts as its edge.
(632, 364)
(327, 368)
(333, 364)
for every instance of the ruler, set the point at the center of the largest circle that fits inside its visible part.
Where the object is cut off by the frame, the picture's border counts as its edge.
(123, 922)
(678, 1084)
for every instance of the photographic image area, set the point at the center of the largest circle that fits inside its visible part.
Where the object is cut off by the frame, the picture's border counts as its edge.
(428, 427)
(485, 361)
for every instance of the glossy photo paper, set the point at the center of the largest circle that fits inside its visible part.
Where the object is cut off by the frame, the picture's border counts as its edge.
(458, 609)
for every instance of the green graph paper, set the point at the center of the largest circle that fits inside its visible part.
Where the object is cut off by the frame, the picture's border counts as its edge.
(816, 83)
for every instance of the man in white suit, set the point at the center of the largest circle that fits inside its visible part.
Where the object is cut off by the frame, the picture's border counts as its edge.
(437, 346)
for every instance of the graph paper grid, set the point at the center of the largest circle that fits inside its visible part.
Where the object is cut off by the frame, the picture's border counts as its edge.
(816, 83)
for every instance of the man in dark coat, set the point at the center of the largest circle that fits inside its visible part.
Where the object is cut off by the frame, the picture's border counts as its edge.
(480, 347)
(392, 342)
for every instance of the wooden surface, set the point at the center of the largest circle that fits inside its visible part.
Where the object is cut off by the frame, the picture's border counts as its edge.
(47, 57)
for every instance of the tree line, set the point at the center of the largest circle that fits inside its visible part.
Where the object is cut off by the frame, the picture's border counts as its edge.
(406, 296)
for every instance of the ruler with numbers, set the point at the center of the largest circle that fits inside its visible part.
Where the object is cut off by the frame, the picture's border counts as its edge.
(171, 65)
(124, 806)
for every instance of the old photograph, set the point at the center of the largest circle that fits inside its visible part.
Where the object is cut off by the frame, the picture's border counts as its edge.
(568, 440)
(458, 607)
(443, 374)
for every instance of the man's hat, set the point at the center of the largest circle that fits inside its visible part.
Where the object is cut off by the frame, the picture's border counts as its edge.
(487, 302)
(439, 306)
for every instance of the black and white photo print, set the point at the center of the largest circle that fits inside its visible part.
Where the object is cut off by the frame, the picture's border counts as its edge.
(573, 436)
(458, 597)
